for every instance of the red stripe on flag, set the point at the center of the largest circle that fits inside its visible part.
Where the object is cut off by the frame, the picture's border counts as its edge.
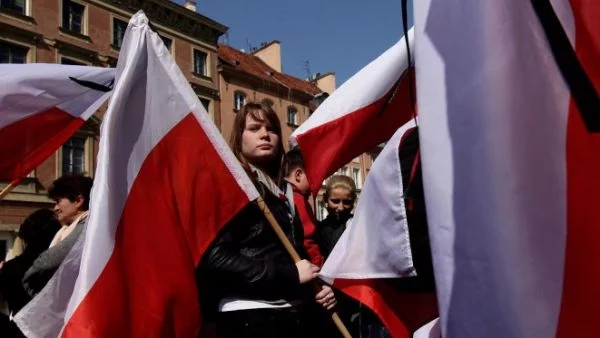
(181, 197)
(28, 142)
(402, 313)
(342, 139)
(581, 294)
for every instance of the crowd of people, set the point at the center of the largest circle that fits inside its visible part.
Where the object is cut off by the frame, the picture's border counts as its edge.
(249, 286)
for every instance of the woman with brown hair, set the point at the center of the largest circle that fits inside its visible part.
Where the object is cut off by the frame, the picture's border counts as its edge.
(247, 278)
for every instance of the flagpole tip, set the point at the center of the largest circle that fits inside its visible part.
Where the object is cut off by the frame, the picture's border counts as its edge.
(139, 19)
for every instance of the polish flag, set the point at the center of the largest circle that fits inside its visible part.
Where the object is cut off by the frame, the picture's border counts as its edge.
(41, 106)
(364, 112)
(374, 253)
(166, 183)
(510, 141)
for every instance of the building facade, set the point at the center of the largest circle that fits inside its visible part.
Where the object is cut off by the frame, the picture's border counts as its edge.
(90, 32)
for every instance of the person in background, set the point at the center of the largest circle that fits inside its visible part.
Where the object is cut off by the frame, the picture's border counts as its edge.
(71, 194)
(36, 233)
(246, 278)
(339, 199)
(300, 188)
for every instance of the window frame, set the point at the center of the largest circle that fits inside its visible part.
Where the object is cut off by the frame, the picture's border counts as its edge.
(235, 103)
(87, 155)
(206, 72)
(27, 58)
(84, 17)
(72, 152)
(112, 30)
(293, 123)
(26, 11)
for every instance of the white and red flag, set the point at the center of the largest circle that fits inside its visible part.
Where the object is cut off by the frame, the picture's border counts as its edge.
(375, 252)
(41, 106)
(511, 164)
(166, 183)
(364, 112)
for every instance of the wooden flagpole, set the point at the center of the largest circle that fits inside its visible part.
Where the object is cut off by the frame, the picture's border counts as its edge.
(8, 189)
(292, 251)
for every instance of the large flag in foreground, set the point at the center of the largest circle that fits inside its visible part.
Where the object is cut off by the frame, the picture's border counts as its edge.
(41, 106)
(166, 183)
(511, 165)
(375, 250)
(365, 111)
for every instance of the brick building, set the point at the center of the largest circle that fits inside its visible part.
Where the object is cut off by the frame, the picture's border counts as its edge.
(90, 32)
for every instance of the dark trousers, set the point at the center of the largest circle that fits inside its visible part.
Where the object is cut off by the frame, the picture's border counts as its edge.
(270, 323)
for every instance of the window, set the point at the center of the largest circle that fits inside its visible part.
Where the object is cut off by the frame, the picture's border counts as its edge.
(10, 53)
(119, 28)
(73, 156)
(200, 62)
(205, 103)
(67, 61)
(73, 16)
(239, 100)
(321, 210)
(344, 171)
(292, 115)
(19, 6)
(168, 42)
(356, 177)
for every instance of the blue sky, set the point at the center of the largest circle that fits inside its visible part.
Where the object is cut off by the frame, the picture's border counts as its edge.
(340, 36)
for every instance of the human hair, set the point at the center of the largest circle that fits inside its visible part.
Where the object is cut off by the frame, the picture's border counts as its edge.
(39, 228)
(71, 187)
(340, 181)
(259, 112)
(293, 160)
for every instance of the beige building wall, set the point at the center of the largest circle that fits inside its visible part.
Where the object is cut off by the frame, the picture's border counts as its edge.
(326, 82)
(270, 54)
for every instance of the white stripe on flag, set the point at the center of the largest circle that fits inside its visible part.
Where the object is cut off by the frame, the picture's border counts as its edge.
(376, 243)
(493, 110)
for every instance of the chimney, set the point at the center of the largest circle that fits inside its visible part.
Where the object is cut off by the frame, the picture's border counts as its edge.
(190, 4)
(326, 82)
(270, 54)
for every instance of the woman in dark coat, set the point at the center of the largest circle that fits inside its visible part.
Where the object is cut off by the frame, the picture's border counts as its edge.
(247, 280)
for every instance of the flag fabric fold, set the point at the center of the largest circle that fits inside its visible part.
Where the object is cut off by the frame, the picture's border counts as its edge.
(41, 106)
(510, 169)
(166, 183)
(364, 112)
(375, 250)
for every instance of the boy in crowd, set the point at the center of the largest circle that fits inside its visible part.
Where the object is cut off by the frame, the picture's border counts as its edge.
(296, 177)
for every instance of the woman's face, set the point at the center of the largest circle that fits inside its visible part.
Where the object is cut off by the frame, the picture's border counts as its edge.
(259, 141)
(67, 211)
(340, 201)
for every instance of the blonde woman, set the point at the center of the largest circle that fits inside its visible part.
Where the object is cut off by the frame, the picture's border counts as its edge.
(339, 198)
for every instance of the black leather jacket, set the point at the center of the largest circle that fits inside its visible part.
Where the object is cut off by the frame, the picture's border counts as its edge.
(330, 230)
(247, 260)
